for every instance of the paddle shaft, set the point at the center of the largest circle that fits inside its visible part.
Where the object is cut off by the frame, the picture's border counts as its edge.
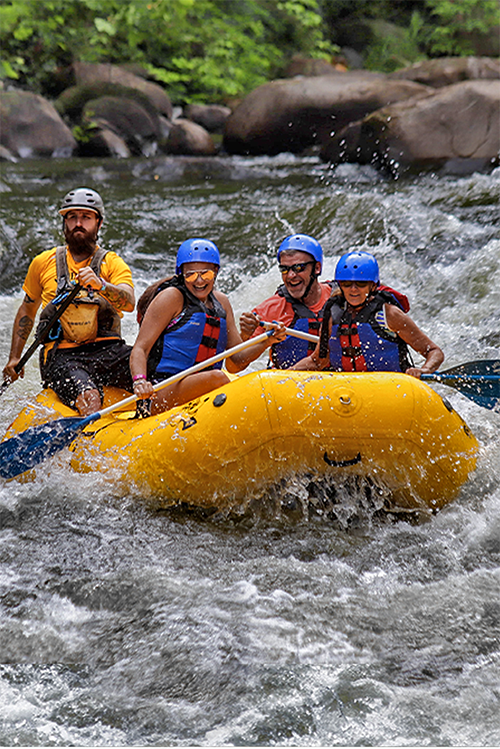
(295, 333)
(42, 335)
(185, 372)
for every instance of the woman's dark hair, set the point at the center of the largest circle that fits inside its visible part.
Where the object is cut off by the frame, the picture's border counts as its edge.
(147, 297)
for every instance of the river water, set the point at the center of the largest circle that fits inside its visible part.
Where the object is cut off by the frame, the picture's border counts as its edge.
(123, 625)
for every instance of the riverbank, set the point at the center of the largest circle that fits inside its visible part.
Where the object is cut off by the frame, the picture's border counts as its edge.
(439, 114)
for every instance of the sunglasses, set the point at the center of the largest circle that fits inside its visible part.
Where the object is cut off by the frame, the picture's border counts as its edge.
(296, 267)
(359, 284)
(206, 275)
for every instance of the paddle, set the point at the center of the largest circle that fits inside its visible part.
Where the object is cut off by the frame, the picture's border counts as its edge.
(293, 332)
(478, 380)
(42, 335)
(27, 449)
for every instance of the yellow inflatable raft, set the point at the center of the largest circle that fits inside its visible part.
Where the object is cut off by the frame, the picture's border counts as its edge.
(235, 442)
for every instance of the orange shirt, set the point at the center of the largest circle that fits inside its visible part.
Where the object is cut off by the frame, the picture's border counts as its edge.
(279, 309)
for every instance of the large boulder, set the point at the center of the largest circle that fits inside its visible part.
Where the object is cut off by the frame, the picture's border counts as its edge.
(31, 127)
(127, 119)
(87, 73)
(72, 100)
(444, 71)
(293, 114)
(210, 116)
(101, 141)
(455, 128)
(189, 139)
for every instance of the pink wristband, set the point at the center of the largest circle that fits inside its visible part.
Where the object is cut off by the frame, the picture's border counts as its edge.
(139, 377)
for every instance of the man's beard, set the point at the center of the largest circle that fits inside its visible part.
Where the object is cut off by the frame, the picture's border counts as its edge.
(80, 241)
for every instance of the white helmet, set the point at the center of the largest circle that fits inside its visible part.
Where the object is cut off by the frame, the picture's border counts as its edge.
(83, 198)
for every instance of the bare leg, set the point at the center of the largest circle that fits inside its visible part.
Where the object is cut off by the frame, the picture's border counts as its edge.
(192, 386)
(88, 402)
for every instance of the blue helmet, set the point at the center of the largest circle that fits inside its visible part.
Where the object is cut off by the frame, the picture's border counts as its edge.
(197, 251)
(302, 243)
(357, 266)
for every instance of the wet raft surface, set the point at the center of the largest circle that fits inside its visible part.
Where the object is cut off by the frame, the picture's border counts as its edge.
(267, 427)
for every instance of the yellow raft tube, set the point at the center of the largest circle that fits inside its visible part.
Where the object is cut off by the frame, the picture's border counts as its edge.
(234, 442)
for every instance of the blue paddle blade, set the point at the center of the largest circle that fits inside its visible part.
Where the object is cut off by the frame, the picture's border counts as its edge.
(26, 450)
(477, 380)
(478, 377)
(481, 400)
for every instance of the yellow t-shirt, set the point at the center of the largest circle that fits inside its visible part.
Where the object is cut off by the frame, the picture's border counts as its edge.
(41, 280)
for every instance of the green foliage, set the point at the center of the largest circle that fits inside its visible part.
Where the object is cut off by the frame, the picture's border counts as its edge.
(85, 131)
(456, 17)
(202, 49)
(397, 48)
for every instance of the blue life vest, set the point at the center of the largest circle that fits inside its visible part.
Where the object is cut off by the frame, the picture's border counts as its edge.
(291, 350)
(195, 335)
(362, 341)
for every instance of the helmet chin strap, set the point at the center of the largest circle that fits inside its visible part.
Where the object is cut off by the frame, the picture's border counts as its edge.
(313, 278)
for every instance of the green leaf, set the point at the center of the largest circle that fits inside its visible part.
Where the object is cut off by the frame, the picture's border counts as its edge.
(7, 71)
(104, 26)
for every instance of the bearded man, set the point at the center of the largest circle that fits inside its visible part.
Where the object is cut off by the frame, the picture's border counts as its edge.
(84, 350)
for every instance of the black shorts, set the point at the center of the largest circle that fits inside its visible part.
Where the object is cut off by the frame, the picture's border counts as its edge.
(70, 372)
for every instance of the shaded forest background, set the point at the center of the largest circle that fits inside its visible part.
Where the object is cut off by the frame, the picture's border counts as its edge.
(219, 50)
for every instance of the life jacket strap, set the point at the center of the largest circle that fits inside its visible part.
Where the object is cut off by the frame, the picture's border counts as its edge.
(209, 339)
(352, 352)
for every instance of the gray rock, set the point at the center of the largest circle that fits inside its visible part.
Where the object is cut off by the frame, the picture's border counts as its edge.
(293, 114)
(210, 116)
(127, 119)
(454, 128)
(31, 127)
(190, 139)
(444, 71)
(86, 73)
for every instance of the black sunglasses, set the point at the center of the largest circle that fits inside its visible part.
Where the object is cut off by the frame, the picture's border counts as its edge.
(296, 267)
(359, 284)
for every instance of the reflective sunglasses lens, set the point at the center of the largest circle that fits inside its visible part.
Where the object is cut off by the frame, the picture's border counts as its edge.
(206, 275)
(296, 267)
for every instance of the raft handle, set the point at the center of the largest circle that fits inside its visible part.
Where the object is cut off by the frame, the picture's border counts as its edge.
(342, 463)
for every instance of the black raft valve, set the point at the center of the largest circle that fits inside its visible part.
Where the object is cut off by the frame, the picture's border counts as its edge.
(219, 399)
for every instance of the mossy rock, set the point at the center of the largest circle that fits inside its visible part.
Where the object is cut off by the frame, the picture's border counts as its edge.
(72, 101)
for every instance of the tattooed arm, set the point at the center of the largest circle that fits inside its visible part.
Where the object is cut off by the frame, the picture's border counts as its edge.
(121, 295)
(23, 325)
